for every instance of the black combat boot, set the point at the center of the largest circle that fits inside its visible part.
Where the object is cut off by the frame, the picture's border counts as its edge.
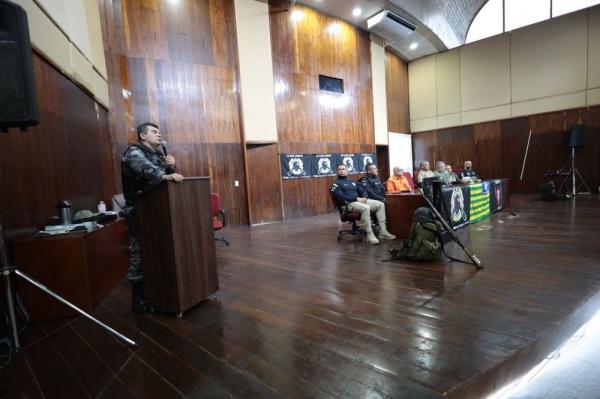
(138, 303)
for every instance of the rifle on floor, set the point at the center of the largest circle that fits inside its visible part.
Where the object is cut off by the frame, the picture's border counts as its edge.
(474, 258)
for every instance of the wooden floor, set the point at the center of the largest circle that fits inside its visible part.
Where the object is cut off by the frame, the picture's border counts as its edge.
(300, 315)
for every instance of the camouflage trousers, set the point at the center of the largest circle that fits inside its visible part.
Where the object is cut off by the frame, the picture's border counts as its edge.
(134, 270)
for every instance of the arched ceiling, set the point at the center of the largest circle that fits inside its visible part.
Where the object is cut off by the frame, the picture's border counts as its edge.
(443, 24)
(449, 20)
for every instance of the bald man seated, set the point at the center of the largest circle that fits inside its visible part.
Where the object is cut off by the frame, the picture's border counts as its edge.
(424, 171)
(398, 183)
(354, 198)
(468, 174)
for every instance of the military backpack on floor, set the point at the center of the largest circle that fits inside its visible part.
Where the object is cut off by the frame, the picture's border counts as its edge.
(423, 242)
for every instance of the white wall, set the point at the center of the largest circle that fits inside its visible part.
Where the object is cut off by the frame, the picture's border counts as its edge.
(400, 151)
(379, 91)
(256, 71)
(68, 34)
(549, 66)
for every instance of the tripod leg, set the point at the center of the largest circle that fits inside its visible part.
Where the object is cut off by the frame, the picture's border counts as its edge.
(563, 187)
(7, 274)
(583, 183)
(11, 308)
(69, 304)
(573, 170)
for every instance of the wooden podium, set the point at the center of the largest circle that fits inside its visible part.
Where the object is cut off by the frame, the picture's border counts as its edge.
(177, 244)
(399, 211)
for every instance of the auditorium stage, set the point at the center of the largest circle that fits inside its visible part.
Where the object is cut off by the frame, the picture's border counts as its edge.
(300, 315)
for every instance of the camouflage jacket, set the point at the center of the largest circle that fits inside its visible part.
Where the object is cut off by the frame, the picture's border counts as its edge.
(141, 168)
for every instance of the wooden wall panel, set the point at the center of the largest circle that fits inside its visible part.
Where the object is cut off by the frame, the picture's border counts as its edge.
(486, 153)
(424, 147)
(264, 183)
(513, 140)
(144, 27)
(396, 84)
(310, 120)
(175, 64)
(383, 162)
(67, 156)
(497, 148)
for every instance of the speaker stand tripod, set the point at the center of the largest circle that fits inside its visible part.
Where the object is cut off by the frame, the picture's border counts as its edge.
(572, 178)
(8, 274)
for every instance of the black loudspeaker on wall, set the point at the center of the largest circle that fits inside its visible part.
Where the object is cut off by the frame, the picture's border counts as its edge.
(577, 138)
(18, 103)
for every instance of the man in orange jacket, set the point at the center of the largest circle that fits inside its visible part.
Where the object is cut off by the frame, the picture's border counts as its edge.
(398, 182)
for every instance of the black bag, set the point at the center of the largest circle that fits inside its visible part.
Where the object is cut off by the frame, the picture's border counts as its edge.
(548, 191)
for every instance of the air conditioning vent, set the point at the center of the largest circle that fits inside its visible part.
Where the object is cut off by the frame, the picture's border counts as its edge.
(390, 26)
(401, 21)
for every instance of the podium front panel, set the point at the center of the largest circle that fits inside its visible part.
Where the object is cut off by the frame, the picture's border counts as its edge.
(177, 244)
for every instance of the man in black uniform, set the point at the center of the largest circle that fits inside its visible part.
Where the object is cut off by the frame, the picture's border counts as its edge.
(371, 183)
(142, 166)
(354, 198)
(468, 172)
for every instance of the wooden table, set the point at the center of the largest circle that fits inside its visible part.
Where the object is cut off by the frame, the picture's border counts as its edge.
(82, 268)
(399, 209)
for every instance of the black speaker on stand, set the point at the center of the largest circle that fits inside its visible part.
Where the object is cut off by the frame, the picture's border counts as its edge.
(18, 102)
(574, 181)
(577, 137)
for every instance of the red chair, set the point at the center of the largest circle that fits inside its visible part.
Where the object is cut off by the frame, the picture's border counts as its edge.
(347, 216)
(218, 216)
(415, 178)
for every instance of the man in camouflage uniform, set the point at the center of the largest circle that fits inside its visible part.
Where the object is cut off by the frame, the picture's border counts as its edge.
(442, 173)
(142, 166)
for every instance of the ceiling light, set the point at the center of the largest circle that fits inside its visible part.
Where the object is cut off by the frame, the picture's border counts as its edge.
(413, 46)
(356, 12)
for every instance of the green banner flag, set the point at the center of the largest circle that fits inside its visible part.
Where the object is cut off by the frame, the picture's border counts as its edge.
(480, 202)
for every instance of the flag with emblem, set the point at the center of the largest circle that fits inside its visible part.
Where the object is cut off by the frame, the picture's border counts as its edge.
(497, 197)
(351, 161)
(324, 164)
(479, 208)
(455, 205)
(296, 166)
(364, 160)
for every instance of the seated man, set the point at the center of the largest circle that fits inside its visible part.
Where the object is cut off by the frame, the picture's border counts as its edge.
(453, 176)
(424, 172)
(468, 174)
(398, 183)
(372, 185)
(353, 197)
(441, 173)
